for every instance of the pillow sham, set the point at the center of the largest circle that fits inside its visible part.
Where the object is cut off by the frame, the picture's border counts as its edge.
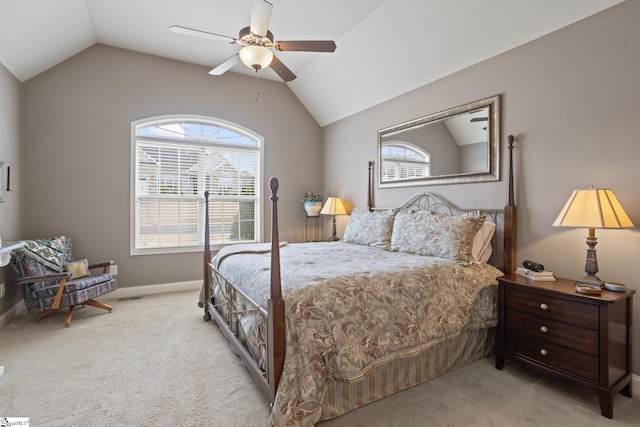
(443, 236)
(482, 249)
(486, 255)
(369, 228)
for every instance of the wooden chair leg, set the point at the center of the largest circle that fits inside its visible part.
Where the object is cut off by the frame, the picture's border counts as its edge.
(94, 303)
(46, 313)
(72, 309)
(67, 321)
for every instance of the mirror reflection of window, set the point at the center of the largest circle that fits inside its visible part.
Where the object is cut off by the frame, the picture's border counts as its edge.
(402, 160)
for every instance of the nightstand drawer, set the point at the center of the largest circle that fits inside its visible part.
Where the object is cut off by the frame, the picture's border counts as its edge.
(560, 333)
(559, 309)
(576, 362)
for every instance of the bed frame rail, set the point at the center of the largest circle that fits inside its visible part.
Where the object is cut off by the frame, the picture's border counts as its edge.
(229, 303)
(227, 306)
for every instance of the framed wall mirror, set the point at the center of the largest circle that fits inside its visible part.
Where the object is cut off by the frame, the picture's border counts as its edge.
(459, 145)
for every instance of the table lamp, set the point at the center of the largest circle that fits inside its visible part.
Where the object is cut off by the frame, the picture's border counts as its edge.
(592, 208)
(333, 206)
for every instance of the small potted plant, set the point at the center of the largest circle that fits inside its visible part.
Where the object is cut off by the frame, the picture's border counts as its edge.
(312, 203)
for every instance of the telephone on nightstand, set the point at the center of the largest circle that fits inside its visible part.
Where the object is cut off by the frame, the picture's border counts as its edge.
(533, 266)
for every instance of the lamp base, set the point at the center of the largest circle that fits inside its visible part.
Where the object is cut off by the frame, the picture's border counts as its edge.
(591, 280)
(333, 237)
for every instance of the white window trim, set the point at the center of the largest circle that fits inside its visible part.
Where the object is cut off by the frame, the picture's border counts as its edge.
(132, 181)
(411, 147)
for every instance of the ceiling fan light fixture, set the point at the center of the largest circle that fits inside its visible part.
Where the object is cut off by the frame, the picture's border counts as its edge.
(256, 57)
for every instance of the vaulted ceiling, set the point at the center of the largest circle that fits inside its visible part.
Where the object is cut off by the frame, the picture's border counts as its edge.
(385, 47)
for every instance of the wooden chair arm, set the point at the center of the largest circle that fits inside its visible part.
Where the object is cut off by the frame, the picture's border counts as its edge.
(60, 278)
(104, 265)
(55, 277)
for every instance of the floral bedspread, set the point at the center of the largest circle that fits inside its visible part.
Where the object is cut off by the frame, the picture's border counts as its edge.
(349, 307)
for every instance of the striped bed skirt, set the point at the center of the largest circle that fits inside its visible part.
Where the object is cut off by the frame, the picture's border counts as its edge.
(399, 374)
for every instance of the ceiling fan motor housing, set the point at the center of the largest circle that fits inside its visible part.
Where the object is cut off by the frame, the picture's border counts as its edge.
(247, 38)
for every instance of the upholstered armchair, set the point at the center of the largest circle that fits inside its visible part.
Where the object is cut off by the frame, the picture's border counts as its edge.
(51, 279)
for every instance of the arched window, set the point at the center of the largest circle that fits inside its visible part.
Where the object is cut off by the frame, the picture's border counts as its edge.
(174, 160)
(402, 160)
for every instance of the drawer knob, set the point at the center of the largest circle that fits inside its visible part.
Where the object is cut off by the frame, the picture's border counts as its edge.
(544, 329)
(544, 306)
(543, 352)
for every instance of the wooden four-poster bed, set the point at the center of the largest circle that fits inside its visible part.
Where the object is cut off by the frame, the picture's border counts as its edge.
(313, 361)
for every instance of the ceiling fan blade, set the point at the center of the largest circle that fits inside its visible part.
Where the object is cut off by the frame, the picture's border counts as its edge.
(226, 65)
(197, 33)
(260, 17)
(282, 70)
(306, 45)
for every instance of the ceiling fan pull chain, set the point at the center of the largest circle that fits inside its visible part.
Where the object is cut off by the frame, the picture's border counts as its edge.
(257, 82)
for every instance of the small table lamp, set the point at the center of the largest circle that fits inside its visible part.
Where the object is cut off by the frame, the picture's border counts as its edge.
(592, 208)
(333, 206)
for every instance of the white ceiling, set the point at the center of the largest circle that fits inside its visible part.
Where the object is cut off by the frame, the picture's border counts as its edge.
(385, 47)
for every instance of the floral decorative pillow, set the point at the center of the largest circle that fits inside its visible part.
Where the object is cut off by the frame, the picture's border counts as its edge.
(443, 236)
(370, 228)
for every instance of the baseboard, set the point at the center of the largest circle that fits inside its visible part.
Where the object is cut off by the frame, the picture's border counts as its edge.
(138, 291)
(635, 382)
(10, 314)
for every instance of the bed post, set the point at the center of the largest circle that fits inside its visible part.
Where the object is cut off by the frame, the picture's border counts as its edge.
(276, 327)
(207, 258)
(510, 219)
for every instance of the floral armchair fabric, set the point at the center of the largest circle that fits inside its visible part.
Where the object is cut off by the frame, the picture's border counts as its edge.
(51, 279)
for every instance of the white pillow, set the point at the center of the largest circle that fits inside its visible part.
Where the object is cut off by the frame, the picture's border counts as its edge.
(482, 249)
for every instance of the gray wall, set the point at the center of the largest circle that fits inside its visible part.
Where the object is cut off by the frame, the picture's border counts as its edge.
(77, 135)
(573, 100)
(10, 221)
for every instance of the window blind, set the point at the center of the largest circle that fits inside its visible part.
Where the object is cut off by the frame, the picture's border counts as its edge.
(175, 162)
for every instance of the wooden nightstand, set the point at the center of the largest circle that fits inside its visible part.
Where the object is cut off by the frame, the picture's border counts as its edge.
(585, 340)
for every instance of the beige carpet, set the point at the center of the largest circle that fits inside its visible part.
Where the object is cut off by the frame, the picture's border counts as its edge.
(154, 362)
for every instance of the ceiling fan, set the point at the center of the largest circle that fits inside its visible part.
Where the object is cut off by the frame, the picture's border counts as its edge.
(257, 42)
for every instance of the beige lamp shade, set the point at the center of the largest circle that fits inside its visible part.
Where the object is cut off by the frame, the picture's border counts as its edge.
(593, 208)
(333, 206)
